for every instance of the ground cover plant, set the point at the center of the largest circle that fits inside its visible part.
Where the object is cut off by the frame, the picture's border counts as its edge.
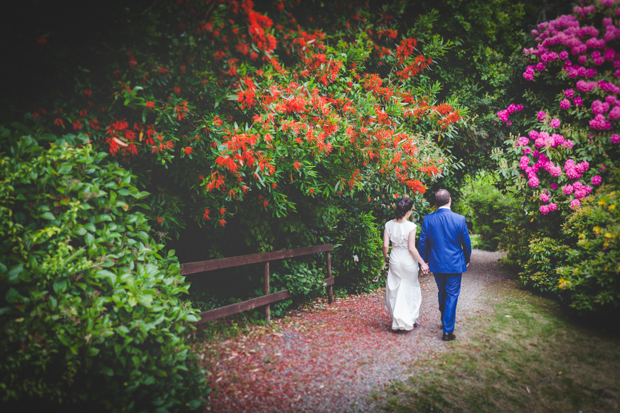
(91, 308)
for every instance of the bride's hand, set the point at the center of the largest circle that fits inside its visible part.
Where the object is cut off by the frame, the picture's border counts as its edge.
(425, 268)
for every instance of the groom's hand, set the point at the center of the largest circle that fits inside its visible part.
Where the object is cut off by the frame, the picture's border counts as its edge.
(467, 265)
(425, 268)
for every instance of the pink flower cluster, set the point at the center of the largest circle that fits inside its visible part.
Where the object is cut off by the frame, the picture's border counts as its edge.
(574, 171)
(505, 114)
(599, 107)
(523, 141)
(543, 139)
(585, 87)
(600, 123)
(555, 123)
(591, 47)
(581, 190)
(545, 209)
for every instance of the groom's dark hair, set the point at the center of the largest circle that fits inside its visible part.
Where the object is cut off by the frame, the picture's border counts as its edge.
(442, 197)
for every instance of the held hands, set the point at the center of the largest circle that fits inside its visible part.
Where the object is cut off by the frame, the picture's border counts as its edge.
(425, 268)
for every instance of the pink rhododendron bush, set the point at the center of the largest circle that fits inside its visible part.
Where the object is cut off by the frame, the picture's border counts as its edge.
(567, 145)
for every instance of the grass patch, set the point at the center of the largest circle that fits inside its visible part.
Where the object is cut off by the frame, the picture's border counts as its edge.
(525, 356)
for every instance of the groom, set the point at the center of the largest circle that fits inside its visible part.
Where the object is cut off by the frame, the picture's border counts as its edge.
(445, 246)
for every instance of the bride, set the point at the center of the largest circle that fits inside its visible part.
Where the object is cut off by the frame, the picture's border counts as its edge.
(403, 295)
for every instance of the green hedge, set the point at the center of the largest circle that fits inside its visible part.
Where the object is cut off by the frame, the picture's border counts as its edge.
(487, 209)
(90, 310)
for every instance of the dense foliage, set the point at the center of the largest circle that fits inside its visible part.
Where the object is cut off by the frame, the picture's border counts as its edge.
(572, 142)
(582, 264)
(239, 128)
(487, 209)
(570, 149)
(90, 305)
(270, 125)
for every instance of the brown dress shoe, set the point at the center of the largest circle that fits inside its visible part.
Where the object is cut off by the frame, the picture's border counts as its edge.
(448, 337)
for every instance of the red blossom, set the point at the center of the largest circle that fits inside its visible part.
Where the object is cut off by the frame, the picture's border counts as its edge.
(181, 110)
(188, 150)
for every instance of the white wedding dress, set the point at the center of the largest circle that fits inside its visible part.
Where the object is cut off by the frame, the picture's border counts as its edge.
(403, 295)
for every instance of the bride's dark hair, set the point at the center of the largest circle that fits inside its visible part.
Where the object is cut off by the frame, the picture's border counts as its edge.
(403, 206)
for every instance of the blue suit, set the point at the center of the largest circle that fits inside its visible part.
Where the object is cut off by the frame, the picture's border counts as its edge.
(445, 245)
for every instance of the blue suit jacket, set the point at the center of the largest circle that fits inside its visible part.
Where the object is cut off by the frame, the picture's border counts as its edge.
(444, 242)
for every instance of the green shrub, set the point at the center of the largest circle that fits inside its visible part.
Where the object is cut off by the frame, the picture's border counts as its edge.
(90, 310)
(358, 258)
(487, 209)
(583, 265)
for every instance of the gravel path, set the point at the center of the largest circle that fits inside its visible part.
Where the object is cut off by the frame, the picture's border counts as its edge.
(331, 358)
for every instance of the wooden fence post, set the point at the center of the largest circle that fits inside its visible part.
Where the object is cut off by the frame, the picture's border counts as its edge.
(268, 306)
(330, 288)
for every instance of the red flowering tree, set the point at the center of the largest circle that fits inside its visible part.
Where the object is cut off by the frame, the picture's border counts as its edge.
(243, 106)
(281, 124)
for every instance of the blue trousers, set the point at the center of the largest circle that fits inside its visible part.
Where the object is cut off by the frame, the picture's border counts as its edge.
(449, 286)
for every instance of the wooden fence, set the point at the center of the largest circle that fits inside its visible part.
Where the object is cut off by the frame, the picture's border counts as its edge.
(267, 299)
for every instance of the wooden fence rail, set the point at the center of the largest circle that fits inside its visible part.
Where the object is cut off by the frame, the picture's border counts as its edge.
(267, 299)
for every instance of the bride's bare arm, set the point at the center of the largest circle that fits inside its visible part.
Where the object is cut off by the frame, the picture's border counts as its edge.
(386, 242)
(414, 252)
